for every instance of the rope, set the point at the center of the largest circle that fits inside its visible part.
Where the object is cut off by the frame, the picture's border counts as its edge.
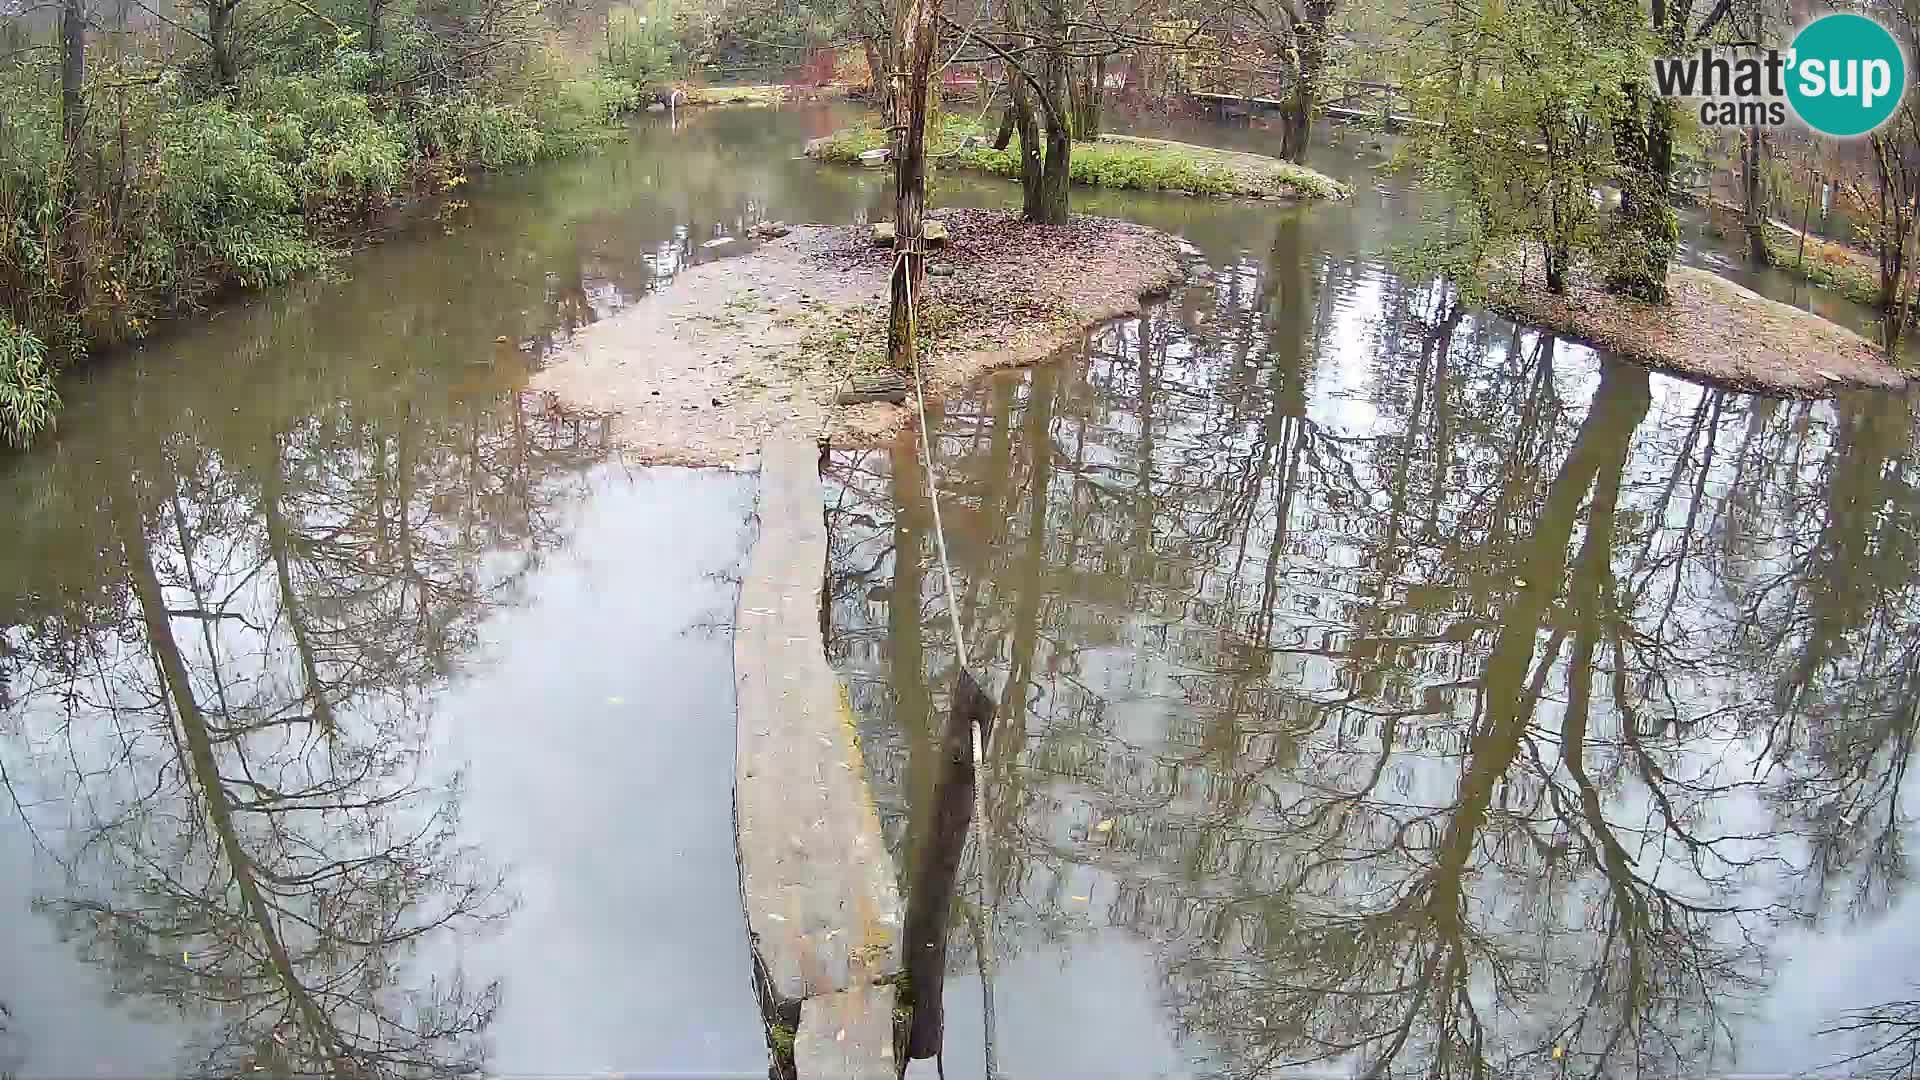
(983, 947)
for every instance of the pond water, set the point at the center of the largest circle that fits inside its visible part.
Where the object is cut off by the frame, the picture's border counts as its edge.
(1382, 686)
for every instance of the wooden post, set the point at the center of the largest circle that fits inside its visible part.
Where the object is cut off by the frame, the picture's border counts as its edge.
(914, 34)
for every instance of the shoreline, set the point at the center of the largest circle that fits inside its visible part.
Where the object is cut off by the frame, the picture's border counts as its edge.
(762, 344)
(1711, 330)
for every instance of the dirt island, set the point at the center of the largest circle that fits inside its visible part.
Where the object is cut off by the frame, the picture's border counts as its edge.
(732, 351)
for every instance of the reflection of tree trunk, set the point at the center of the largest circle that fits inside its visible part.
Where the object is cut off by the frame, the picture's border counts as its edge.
(1030, 579)
(280, 543)
(205, 770)
(1143, 499)
(1000, 464)
(907, 659)
(1590, 597)
(1599, 450)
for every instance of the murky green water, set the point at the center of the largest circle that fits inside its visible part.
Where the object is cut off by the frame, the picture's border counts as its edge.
(1383, 686)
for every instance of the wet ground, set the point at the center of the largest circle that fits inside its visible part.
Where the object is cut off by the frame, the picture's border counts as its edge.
(1383, 686)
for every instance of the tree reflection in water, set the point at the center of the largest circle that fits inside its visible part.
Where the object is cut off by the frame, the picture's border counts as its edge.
(230, 743)
(1463, 703)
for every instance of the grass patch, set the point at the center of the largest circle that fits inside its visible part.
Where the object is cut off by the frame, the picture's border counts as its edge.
(1116, 161)
(853, 340)
(733, 95)
(1850, 273)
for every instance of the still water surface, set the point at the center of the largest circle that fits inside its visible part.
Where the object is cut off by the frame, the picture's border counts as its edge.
(1382, 686)
(1389, 690)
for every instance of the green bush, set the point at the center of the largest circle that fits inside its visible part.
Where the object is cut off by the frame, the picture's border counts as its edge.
(578, 112)
(28, 399)
(223, 208)
(641, 47)
(194, 191)
(326, 131)
(464, 129)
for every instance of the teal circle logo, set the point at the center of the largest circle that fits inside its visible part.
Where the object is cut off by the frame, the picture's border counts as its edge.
(1846, 75)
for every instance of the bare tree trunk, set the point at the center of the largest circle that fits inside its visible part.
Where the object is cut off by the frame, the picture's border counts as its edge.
(376, 10)
(1091, 122)
(1057, 171)
(1310, 52)
(73, 136)
(73, 75)
(1026, 123)
(220, 40)
(878, 70)
(876, 32)
(1754, 209)
(915, 39)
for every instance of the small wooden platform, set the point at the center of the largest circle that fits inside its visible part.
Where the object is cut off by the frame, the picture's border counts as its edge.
(823, 912)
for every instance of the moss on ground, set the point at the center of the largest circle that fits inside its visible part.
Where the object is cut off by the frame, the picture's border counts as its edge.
(1115, 161)
(852, 341)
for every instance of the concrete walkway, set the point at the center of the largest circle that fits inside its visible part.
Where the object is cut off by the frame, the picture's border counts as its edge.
(823, 912)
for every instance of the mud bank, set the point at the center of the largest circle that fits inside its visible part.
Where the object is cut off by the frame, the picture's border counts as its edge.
(1710, 329)
(703, 371)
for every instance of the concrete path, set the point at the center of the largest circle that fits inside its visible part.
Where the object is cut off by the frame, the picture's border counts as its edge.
(823, 912)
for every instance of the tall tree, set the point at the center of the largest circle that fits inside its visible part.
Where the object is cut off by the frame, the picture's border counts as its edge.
(73, 136)
(915, 37)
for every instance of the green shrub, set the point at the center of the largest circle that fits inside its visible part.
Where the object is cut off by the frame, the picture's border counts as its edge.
(326, 132)
(196, 192)
(28, 399)
(468, 131)
(578, 112)
(640, 46)
(223, 208)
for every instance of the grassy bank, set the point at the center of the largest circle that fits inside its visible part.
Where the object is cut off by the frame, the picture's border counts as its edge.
(1852, 273)
(182, 194)
(1115, 161)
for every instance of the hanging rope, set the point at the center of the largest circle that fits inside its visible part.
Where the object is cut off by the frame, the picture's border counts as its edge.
(983, 946)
